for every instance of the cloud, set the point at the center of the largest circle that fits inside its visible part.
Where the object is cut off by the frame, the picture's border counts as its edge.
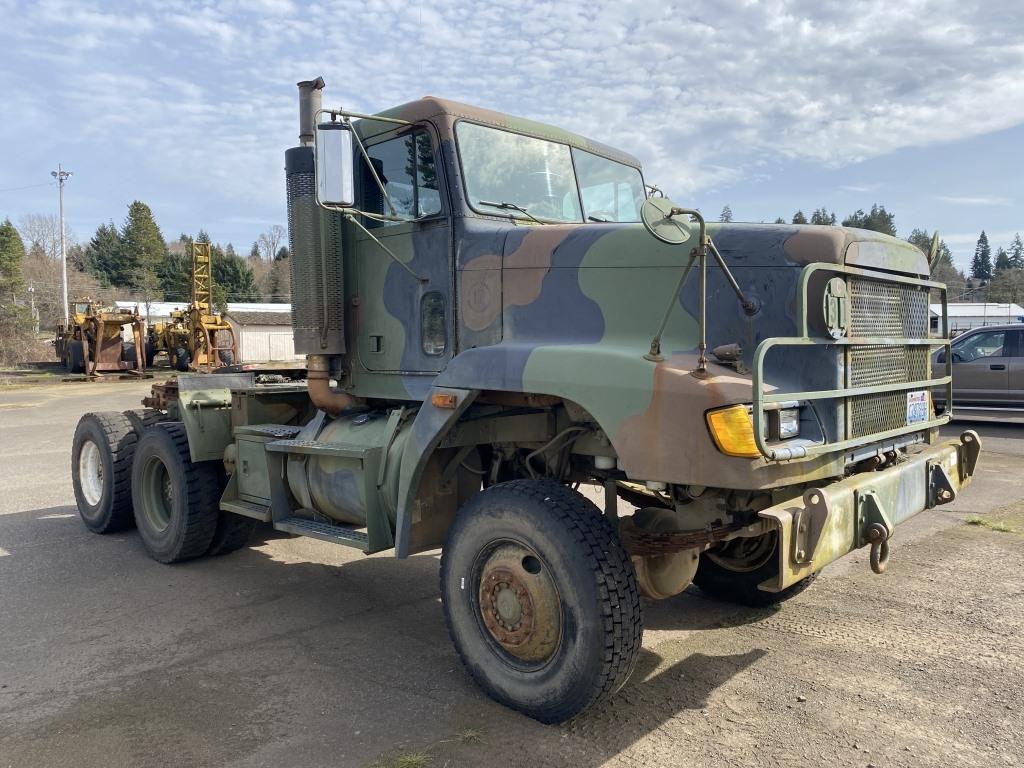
(985, 200)
(703, 92)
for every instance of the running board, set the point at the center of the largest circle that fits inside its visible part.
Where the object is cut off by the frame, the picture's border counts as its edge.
(337, 534)
(249, 509)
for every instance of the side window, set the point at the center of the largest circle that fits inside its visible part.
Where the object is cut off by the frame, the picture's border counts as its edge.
(979, 345)
(1015, 344)
(405, 166)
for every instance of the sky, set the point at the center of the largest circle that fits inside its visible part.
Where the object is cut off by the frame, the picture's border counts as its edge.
(768, 107)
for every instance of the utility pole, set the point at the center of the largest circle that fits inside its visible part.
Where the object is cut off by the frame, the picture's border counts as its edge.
(61, 175)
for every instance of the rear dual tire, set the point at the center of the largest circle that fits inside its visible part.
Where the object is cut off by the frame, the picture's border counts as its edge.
(175, 499)
(102, 453)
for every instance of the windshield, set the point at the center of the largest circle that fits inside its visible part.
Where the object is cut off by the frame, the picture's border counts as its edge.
(509, 171)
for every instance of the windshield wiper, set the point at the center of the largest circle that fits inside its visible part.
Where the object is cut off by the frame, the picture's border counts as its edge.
(599, 219)
(510, 207)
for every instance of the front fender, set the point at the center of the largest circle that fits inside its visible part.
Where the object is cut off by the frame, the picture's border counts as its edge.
(653, 413)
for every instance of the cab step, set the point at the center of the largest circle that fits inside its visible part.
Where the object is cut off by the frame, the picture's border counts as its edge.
(247, 508)
(337, 534)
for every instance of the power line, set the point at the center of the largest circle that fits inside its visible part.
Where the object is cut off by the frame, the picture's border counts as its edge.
(30, 186)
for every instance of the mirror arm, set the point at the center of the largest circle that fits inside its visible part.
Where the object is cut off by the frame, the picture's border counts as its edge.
(351, 217)
(749, 306)
(655, 354)
(343, 113)
(376, 178)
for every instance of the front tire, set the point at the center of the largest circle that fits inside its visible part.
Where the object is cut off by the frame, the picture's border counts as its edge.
(731, 572)
(175, 499)
(540, 598)
(101, 471)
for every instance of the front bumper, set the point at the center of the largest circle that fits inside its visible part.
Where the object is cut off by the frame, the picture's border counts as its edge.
(828, 522)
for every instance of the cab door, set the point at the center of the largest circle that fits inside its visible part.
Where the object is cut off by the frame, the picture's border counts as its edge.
(404, 309)
(981, 362)
(1015, 372)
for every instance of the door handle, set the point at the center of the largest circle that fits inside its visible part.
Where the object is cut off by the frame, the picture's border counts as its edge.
(997, 367)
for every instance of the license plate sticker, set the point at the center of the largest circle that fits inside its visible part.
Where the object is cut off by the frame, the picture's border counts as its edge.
(917, 407)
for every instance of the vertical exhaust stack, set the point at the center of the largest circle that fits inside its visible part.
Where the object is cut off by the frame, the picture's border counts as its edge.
(314, 239)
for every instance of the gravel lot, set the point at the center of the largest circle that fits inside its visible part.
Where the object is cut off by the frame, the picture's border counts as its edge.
(279, 656)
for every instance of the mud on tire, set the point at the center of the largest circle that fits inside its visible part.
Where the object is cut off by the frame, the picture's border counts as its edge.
(574, 552)
(175, 500)
(101, 471)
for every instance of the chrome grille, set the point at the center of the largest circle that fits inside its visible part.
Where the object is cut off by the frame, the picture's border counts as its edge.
(888, 309)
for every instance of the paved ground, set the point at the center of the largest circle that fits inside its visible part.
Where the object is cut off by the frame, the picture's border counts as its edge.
(278, 656)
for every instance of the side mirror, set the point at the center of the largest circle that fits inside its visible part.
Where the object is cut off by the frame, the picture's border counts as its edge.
(335, 171)
(941, 357)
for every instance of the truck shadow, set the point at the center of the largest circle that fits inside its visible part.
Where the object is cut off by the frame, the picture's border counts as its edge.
(327, 626)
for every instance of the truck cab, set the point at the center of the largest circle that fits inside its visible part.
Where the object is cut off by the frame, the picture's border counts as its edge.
(497, 313)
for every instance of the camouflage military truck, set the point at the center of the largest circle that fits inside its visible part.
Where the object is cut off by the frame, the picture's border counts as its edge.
(498, 313)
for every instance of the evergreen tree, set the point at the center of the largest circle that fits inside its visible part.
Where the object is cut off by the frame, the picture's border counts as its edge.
(175, 276)
(280, 284)
(232, 276)
(780, 220)
(799, 218)
(726, 214)
(981, 264)
(104, 256)
(12, 255)
(1017, 252)
(144, 247)
(282, 253)
(1002, 260)
(923, 240)
(877, 220)
(254, 253)
(821, 216)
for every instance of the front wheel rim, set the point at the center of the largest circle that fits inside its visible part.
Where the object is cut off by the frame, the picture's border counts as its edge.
(90, 473)
(518, 605)
(157, 495)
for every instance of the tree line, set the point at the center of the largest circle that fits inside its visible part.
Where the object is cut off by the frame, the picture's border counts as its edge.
(878, 219)
(136, 257)
(130, 262)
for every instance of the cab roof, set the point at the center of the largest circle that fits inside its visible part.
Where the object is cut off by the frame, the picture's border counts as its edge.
(431, 108)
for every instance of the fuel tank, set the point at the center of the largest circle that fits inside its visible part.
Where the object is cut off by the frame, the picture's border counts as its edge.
(340, 479)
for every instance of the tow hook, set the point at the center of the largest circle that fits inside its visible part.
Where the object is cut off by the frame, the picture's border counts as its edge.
(878, 538)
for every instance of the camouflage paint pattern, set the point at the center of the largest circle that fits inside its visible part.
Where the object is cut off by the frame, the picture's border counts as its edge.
(568, 310)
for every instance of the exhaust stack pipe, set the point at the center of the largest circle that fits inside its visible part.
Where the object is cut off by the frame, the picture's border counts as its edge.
(309, 105)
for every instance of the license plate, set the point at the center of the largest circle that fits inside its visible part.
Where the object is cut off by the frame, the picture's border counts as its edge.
(917, 407)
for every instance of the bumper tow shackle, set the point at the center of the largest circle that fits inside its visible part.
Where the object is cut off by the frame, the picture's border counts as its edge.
(878, 537)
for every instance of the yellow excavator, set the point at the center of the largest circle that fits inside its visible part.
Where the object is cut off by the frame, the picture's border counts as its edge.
(197, 338)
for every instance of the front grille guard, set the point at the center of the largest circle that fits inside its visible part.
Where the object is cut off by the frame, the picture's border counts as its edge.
(765, 401)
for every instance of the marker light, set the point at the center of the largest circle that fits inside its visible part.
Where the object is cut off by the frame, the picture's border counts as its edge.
(733, 431)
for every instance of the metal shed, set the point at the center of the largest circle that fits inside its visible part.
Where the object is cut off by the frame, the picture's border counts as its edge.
(262, 336)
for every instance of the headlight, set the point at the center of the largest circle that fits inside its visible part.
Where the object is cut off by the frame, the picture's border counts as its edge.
(733, 431)
(789, 423)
